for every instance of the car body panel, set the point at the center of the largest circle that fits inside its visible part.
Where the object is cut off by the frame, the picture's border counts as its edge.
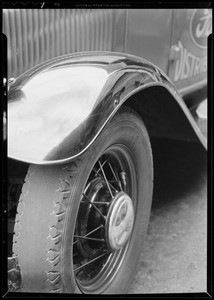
(59, 102)
(56, 110)
(173, 39)
(149, 35)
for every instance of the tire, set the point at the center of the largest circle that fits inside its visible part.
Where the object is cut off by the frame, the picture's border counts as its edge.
(106, 192)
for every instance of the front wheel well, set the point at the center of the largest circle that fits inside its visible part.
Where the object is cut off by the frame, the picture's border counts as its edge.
(162, 114)
(179, 159)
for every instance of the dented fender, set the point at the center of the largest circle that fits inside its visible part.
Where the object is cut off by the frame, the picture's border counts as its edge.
(57, 109)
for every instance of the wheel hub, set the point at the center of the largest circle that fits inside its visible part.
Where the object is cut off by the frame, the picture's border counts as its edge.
(119, 222)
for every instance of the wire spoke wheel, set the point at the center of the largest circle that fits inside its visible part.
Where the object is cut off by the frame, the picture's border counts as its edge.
(105, 219)
(80, 226)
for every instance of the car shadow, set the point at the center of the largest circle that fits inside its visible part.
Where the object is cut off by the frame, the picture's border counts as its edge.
(180, 168)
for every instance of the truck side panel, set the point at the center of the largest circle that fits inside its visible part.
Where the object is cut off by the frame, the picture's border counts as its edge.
(35, 35)
(148, 35)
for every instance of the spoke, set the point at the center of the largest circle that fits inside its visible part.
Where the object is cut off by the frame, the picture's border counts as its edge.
(89, 233)
(82, 266)
(94, 206)
(102, 166)
(106, 179)
(89, 258)
(88, 238)
(116, 178)
(100, 202)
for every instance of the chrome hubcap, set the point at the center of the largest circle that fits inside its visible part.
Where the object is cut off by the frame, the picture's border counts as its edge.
(120, 220)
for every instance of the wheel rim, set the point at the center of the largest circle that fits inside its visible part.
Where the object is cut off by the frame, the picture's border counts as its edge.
(105, 220)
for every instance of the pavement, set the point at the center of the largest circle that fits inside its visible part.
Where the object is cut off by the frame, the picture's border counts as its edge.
(174, 254)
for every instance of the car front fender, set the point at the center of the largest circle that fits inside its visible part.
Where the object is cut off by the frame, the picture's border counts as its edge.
(57, 109)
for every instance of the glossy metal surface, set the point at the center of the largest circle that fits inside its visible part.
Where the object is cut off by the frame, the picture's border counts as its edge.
(120, 221)
(56, 110)
(51, 105)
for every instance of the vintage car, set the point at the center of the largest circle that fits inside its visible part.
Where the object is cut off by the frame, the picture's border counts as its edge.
(87, 89)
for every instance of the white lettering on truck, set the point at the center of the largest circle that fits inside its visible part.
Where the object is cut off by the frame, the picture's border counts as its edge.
(188, 65)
